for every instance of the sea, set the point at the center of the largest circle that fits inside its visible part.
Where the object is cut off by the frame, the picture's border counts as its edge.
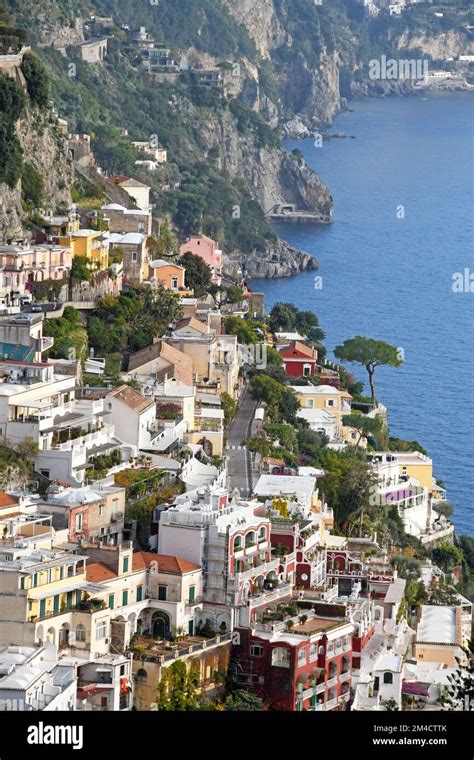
(397, 264)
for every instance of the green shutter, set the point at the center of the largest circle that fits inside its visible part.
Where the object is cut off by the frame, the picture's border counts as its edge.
(124, 597)
(125, 564)
(139, 593)
(192, 593)
(42, 607)
(56, 603)
(111, 601)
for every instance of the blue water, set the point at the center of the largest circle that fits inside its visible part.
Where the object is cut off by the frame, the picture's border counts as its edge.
(391, 278)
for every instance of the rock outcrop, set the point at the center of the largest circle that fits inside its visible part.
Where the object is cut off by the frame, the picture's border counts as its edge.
(279, 260)
(44, 149)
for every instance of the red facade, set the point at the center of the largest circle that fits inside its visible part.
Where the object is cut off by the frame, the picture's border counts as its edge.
(295, 677)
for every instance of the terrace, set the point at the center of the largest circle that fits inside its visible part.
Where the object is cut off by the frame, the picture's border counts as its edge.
(160, 651)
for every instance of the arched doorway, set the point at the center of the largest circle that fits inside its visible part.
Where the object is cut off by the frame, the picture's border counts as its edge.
(161, 625)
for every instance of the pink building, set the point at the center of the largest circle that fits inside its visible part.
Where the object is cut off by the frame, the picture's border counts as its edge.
(22, 266)
(208, 250)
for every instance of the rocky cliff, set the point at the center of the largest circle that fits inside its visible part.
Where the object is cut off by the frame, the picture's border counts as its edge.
(44, 150)
(278, 260)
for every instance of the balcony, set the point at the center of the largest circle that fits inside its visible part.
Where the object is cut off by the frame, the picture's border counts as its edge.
(345, 676)
(117, 517)
(238, 553)
(262, 545)
(251, 549)
(331, 682)
(331, 704)
(253, 572)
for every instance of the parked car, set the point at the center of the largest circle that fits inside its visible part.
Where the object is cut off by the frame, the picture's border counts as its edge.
(36, 308)
(22, 319)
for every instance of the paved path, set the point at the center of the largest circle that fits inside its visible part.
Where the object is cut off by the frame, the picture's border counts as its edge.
(238, 457)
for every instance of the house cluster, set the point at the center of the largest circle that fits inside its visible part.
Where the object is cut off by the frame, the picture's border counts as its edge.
(394, 7)
(258, 588)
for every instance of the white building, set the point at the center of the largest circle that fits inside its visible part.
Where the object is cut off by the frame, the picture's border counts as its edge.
(31, 678)
(298, 491)
(232, 544)
(68, 430)
(401, 491)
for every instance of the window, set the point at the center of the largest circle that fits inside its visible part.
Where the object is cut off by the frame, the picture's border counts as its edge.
(111, 601)
(174, 283)
(125, 565)
(142, 675)
(139, 593)
(302, 657)
(80, 633)
(162, 593)
(330, 402)
(101, 630)
(124, 597)
(79, 521)
(101, 510)
(280, 657)
(22, 581)
(256, 650)
(310, 403)
(313, 652)
(388, 677)
(35, 580)
(134, 256)
(306, 370)
(122, 670)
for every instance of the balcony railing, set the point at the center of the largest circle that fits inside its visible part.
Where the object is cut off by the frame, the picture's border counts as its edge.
(345, 676)
(331, 682)
(331, 704)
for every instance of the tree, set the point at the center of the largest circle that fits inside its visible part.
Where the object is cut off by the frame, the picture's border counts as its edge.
(224, 295)
(443, 508)
(243, 701)
(285, 434)
(446, 556)
(242, 329)
(27, 448)
(36, 78)
(198, 275)
(165, 246)
(364, 425)
(347, 487)
(80, 269)
(369, 352)
(282, 317)
(266, 389)
(230, 407)
(177, 688)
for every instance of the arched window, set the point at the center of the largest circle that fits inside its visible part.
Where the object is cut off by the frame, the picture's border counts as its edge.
(142, 675)
(237, 543)
(388, 677)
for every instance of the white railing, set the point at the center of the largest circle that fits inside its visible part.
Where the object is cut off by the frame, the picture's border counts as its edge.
(331, 682)
(345, 676)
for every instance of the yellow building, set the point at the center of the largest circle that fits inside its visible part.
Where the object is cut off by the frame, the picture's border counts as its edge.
(413, 464)
(332, 400)
(91, 244)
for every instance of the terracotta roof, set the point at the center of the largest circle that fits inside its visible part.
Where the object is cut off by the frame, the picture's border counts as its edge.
(166, 563)
(295, 345)
(97, 571)
(131, 398)
(6, 500)
(194, 323)
(181, 365)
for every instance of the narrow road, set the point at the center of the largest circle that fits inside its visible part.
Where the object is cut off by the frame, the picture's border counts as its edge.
(238, 457)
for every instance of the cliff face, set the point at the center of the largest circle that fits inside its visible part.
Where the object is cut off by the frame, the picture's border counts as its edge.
(260, 19)
(272, 176)
(309, 92)
(44, 151)
(450, 44)
(279, 260)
